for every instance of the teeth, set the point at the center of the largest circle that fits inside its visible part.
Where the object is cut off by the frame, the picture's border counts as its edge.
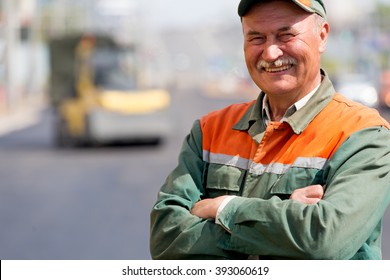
(278, 69)
(278, 63)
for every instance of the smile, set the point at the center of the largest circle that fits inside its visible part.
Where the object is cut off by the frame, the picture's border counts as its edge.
(277, 69)
(280, 65)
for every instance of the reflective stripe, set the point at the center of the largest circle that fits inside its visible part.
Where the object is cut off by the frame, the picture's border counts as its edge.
(275, 168)
(258, 168)
(235, 161)
(312, 162)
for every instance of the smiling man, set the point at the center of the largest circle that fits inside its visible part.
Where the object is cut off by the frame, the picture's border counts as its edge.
(299, 173)
(282, 45)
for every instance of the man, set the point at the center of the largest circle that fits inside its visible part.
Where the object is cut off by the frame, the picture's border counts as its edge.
(300, 173)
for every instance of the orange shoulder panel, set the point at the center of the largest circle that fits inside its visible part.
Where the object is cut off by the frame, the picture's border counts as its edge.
(329, 129)
(219, 135)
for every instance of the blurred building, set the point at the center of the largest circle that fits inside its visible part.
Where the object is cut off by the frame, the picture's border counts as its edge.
(21, 73)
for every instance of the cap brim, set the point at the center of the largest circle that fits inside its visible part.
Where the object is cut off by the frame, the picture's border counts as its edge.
(245, 6)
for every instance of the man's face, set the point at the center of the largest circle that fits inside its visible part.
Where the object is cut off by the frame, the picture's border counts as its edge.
(282, 45)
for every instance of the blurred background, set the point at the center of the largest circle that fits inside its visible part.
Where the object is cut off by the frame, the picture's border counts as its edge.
(96, 97)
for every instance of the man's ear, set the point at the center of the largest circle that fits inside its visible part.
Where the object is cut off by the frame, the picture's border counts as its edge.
(324, 36)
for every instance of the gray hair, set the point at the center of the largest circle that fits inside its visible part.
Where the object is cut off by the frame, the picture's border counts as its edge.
(319, 22)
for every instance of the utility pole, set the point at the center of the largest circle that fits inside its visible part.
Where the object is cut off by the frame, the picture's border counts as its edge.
(11, 30)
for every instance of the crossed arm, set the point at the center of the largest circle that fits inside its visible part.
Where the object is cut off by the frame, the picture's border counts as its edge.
(207, 208)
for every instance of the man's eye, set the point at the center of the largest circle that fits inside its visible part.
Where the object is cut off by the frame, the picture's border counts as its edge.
(257, 40)
(286, 37)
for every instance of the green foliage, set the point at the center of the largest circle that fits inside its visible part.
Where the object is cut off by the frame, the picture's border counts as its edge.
(382, 16)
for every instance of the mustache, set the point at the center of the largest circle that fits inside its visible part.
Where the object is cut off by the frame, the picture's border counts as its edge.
(261, 64)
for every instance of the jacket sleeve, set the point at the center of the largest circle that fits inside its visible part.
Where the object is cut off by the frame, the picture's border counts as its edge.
(339, 226)
(175, 232)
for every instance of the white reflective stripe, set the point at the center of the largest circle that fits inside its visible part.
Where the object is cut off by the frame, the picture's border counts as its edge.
(235, 161)
(310, 162)
(279, 168)
(258, 168)
(275, 168)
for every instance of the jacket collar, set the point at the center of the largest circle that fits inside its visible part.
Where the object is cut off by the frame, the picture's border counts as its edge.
(300, 119)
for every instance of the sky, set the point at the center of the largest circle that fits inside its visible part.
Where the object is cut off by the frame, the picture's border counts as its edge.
(173, 13)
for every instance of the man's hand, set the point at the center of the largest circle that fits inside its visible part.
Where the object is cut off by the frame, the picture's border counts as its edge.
(308, 195)
(207, 208)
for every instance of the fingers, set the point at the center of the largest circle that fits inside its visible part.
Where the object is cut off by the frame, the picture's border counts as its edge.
(202, 209)
(308, 195)
(207, 208)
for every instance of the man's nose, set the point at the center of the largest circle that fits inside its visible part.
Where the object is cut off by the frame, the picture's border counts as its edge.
(271, 52)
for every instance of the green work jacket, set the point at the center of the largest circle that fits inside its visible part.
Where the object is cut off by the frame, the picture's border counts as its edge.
(331, 141)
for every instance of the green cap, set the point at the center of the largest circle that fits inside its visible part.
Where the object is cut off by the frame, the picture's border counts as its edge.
(311, 6)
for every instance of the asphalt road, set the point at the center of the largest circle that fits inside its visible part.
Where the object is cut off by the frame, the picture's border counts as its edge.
(89, 203)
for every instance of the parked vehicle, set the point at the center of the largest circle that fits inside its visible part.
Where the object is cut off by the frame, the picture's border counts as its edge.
(96, 95)
(357, 88)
